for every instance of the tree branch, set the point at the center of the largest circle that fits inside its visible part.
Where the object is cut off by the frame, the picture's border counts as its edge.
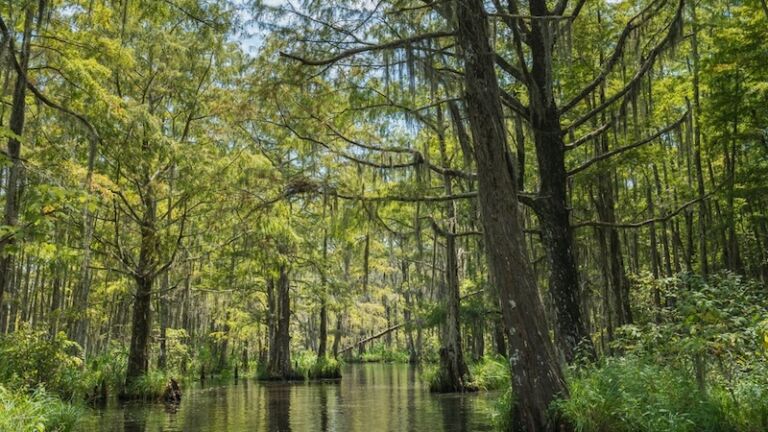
(642, 223)
(619, 150)
(672, 33)
(642, 17)
(354, 51)
(589, 136)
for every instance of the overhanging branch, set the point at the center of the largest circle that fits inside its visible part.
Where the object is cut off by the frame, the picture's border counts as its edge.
(620, 150)
(377, 47)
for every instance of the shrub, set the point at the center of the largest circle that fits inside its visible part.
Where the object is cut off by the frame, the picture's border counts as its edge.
(38, 411)
(745, 400)
(502, 411)
(31, 358)
(633, 395)
(108, 369)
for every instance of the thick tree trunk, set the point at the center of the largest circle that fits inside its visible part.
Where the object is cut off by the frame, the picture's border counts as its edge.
(138, 355)
(552, 206)
(144, 276)
(453, 374)
(536, 375)
(279, 365)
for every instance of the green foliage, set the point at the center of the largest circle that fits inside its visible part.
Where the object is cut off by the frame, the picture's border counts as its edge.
(309, 366)
(698, 364)
(502, 412)
(720, 321)
(379, 353)
(31, 358)
(490, 373)
(147, 387)
(108, 368)
(37, 411)
(633, 395)
(745, 400)
(325, 368)
(179, 351)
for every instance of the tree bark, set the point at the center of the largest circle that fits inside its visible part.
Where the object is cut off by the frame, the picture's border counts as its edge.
(703, 259)
(16, 171)
(279, 365)
(144, 275)
(453, 375)
(138, 355)
(536, 374)
(552, 206)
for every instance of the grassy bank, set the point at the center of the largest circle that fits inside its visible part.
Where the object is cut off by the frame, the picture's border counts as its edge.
(37, 410)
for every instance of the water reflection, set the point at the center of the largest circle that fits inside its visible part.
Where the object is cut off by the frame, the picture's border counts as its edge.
(135, 420)
(323, 408)
(370, 398)
(278, 407)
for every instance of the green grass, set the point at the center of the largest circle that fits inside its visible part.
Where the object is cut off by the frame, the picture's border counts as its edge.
(36, 411)
(325, 368)
(379, 353)
(629, 395)
(309, 366)
(148, 387)
(634, 394)
(490, 373)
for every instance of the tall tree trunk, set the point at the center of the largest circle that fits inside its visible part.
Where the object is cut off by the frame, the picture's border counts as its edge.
(337, 335)
(536, 374)
(279, 365)
(165, 286)
(453, 374)
(78, 327)
(703, 258)
(144, 275)
(552, 205)
(16, 171)
(413, 355)
(138, 356)
(323, 338)
(323, 342)
(664, 230)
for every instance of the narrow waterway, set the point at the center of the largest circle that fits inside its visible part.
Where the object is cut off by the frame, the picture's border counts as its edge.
(370, 398)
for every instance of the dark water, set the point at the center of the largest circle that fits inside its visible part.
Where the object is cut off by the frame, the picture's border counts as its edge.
(370, 398)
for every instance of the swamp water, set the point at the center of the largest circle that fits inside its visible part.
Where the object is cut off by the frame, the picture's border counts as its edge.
(370, 398)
